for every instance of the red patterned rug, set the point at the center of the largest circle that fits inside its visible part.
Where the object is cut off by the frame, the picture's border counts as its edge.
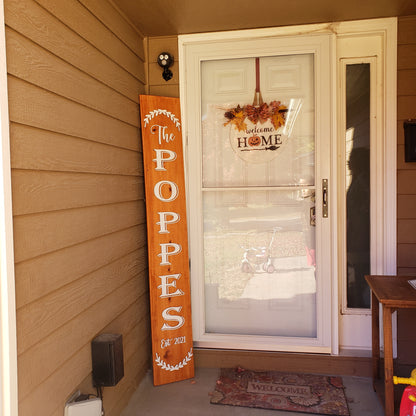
(307, 393)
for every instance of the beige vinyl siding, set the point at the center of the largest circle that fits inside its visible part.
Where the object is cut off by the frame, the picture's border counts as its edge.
(406, 172)
(75, 71)
(157, 85)
(406, 182)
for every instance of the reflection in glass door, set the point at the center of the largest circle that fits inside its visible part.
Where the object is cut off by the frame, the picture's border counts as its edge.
(357, 183)
(258, 190)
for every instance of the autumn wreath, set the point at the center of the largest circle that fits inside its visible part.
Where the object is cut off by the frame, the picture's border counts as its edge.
(275, 112)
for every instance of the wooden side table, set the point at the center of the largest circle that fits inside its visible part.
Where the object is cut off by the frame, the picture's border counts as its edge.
(393, 292)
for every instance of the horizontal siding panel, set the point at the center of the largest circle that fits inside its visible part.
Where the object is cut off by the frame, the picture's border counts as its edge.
(34, 22)
(171, 90)
(74, 15)
(137, 338)
(34, 106)
(38, 319)
(127, 385)
(168, 44)
(405, 107)
(42, 360)
(406, 231)
(75, 73)
(37, 149)
(406, 81)
(137, 349)
(408, 315)
(406, 255)
(40, 191)
(401, 164)
(123, 324)
(157, 86)
(43, 400)
(40, 276)
(406, 30)
(406, 338)
(115, 22)
(39, 234)
(406, 56)
(124, 389)
(155, 74)
(135, 314)
(406, 271)
(406, 206)
(406, 198)
(406, 182)
(127, 392)
(32, 63)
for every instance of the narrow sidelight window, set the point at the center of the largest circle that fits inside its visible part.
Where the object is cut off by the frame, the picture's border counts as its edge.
(357, 174)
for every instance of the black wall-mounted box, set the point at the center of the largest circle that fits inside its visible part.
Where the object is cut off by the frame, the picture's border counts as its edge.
(107, 359)
(409, 140)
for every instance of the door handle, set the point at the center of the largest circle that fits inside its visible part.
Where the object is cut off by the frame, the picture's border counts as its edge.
(325, 198)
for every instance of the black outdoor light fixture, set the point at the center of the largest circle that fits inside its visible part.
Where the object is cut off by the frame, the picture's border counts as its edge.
(165, 60)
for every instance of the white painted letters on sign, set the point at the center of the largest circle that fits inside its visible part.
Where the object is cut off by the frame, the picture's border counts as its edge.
(165, 285)
(160, 160)
(172, 189)
(164, 221)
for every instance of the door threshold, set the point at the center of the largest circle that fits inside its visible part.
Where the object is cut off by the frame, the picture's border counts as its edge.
(345, 352)
(347, 365)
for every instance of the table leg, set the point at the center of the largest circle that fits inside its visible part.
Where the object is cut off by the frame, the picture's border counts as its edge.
(388, 361)
(375, 335)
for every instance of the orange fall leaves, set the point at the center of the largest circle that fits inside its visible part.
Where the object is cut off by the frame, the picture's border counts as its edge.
(275, 111)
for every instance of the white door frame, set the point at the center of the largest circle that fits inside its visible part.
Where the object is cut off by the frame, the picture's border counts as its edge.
(246, 44)
(386, 220)
(374, 42)
(8, 348)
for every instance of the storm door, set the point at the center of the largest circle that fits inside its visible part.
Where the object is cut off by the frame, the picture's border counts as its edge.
(258, 126)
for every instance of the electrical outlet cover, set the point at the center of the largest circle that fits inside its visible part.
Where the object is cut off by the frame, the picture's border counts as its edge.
(91, 407)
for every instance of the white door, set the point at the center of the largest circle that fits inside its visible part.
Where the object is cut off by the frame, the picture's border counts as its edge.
(260, 241)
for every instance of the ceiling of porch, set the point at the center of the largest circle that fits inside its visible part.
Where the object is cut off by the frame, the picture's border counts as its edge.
(172, 17)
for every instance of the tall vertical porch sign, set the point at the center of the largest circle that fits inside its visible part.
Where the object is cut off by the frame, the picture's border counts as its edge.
(170, 298)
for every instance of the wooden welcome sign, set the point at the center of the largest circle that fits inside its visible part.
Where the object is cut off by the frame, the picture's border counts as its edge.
(170, 298)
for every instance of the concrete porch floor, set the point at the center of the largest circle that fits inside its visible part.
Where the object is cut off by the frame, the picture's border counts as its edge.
(191, 397)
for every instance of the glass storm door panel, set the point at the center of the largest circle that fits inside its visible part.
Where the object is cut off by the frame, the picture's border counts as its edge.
(259, 243)
(255, 199)
(259, 263)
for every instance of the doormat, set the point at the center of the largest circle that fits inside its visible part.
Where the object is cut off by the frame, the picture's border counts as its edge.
(308, 393)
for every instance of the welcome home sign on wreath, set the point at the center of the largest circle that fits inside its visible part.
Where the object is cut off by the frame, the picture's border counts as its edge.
(169, 287)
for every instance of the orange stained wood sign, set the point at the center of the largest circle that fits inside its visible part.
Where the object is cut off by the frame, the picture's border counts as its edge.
(170, 297)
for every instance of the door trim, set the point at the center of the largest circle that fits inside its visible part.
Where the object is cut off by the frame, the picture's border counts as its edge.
(352, 41)
(353, 46)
